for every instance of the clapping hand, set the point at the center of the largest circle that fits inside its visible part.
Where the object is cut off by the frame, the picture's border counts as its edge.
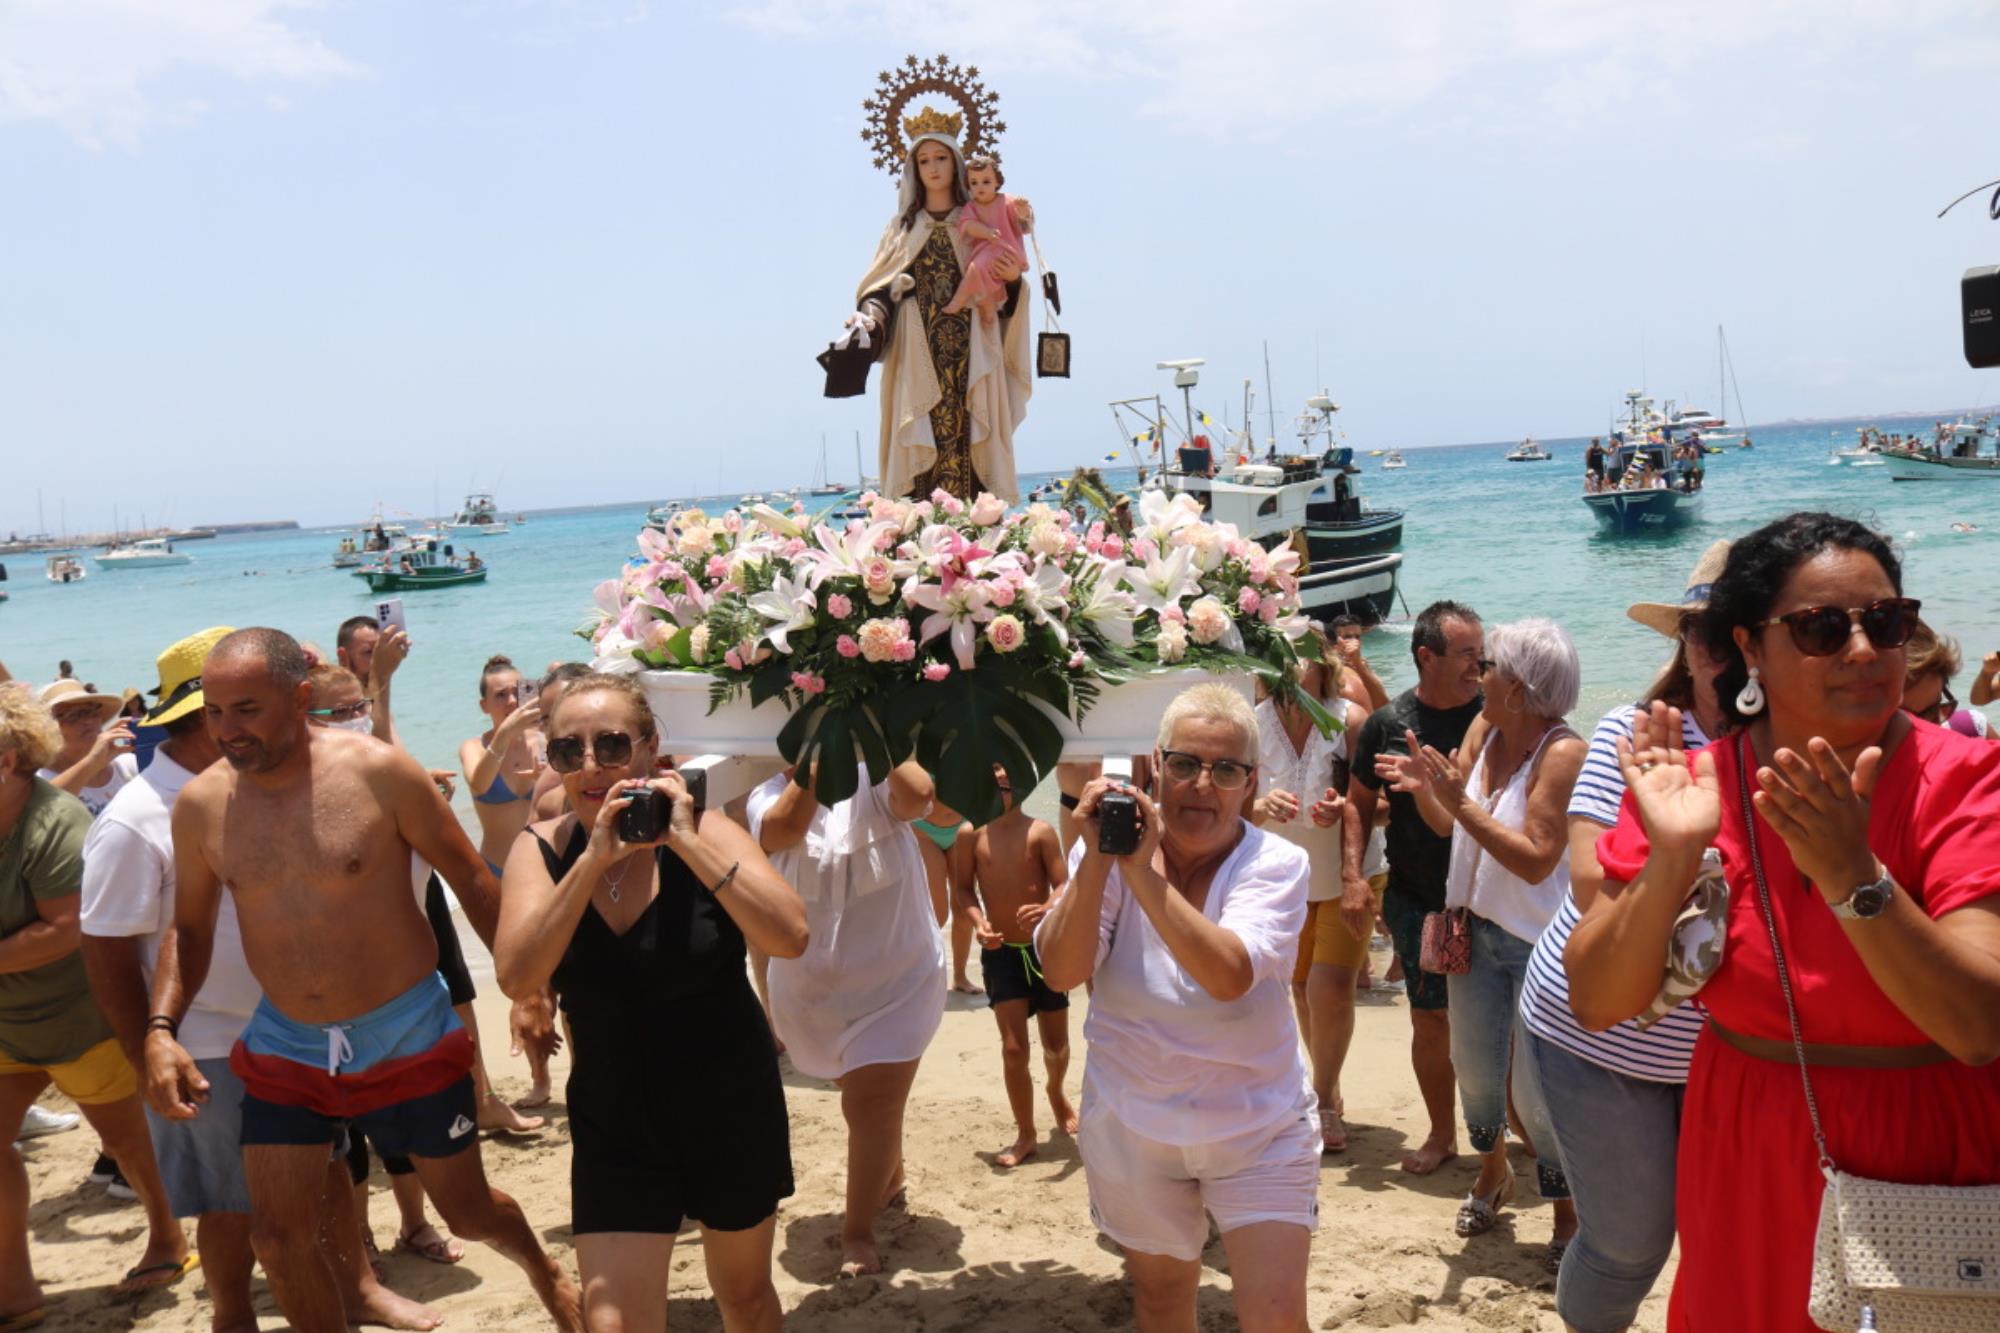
(1327, 809)
(1280, 806)
(1820, 809)
(1678, 808)
(1421, 769)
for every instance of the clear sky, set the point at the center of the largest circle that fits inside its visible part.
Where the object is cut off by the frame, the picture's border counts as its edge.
(268, 259)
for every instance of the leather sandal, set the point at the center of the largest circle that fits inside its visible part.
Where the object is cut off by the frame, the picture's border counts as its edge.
(1477, 1216)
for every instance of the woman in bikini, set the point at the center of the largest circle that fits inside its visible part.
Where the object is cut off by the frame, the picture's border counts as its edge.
(501, 766)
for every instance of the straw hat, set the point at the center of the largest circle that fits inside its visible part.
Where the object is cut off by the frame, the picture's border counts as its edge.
(62, 692)
(180, 676)
(1665, 617)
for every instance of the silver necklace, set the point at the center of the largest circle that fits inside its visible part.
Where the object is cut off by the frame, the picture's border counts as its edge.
(615, 884)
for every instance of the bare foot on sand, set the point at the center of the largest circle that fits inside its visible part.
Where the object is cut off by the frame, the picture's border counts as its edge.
(379, 1305)
(1023, 1148)
(538, 1095)
(496, 1117)
(1065, 1113)
(859, 1256)
(1430, 1157)
(559, 1295)
(964, 985)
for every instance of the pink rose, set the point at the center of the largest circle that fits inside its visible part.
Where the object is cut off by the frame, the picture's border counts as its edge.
(1005, 633)
(794, 548)
(1268, 612)
(868, 498)
(1001, 592)
(807, 683)
(1094, 533)
(878, 577)
(1247, 601)
(840, 608)
(1171, 614)
(951, 505)
(846, 646)
(717, 567)
(904, 651)
(1143, 549)
(940, 495)
(936, 671)
(1113, 547)
(878, 638)
(732, 522)
(733, 660)
(988, 510)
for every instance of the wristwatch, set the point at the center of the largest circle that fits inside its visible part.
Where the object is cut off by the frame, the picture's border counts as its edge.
(1866, 902)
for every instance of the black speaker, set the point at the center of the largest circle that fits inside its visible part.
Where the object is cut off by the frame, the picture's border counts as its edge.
(1979, 297)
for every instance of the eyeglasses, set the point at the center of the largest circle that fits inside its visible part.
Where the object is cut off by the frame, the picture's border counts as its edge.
(1821, 631)
(612, 748)
(1941, 712)
(343, 712)
(1226, 774)
(1485, 664)
(71, 717)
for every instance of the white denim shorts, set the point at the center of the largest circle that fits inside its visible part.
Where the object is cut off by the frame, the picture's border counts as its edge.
(1151, 1196)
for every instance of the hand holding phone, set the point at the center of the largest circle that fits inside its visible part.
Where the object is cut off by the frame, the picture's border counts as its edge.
(389, 615)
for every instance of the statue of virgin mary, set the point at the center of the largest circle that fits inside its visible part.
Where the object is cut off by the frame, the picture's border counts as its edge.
(954, 388)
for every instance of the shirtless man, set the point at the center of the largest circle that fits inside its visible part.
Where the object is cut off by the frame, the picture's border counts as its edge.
(1017, 866)
(311, 830)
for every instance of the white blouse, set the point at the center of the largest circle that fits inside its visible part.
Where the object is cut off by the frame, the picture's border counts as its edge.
(870, 986)
(1170, 1060)
(1306, 774)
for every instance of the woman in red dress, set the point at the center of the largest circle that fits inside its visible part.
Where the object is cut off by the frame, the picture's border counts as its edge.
(1880, 839)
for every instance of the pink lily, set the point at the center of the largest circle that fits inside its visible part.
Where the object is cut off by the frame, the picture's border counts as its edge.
(959, 608)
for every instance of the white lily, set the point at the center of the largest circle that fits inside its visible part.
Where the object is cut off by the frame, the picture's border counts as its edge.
(1108, 607)
(788, 603)
(1160, 517)
(960, 611)
(784, 525)
(1165, 580)
(1044, 595)
(842, 554)
(614, 655)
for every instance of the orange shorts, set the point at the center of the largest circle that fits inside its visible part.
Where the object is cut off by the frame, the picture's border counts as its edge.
(1326, 938)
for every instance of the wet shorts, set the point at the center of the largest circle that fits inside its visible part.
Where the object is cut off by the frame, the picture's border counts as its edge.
(401, 1072)
(201, 1160)
(100, 1076)
(1014, 972)
(1151, 1196)
(1404, 916)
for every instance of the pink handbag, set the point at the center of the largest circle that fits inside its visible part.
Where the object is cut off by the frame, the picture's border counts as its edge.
(1447, 946)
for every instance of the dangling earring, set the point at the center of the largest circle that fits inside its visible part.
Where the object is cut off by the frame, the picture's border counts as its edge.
(1750, 699)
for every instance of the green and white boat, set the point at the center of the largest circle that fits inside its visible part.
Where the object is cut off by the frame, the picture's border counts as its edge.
(422, 567)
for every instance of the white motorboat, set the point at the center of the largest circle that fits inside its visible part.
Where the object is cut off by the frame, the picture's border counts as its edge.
(660, 517)
(146, 553)
(478, 517)
(1527, 451)
(1393, 461)
(66, 569)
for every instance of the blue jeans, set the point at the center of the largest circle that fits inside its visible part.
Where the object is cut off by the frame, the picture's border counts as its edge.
(1619, 1136)
(1486, 1036)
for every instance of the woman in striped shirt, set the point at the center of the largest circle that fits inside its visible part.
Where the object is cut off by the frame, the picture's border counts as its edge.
(1614, 1097)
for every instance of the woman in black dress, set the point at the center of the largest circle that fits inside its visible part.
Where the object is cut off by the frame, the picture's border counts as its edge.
(676, 1108)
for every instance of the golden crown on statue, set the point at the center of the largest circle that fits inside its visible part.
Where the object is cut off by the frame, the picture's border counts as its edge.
(932, 121)
(975, 127)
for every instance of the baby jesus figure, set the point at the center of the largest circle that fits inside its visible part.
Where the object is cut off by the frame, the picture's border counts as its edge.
(991, 224)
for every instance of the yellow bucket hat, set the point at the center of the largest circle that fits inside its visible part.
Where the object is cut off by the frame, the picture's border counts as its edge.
(180, 676)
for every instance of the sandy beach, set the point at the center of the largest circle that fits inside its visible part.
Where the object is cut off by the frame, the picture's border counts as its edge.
(978, 1248)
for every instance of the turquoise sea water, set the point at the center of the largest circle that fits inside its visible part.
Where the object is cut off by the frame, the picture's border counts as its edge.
(1510, 539)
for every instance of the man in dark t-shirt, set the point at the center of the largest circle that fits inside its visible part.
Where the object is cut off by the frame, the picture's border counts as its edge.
(1449, 646)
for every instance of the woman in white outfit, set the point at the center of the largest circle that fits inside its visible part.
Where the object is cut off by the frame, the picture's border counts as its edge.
(1300, 801)
(1196, 1101)
(1502, 802)
(864, 1000)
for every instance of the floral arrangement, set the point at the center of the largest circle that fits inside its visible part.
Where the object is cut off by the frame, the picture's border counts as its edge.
(927, 626)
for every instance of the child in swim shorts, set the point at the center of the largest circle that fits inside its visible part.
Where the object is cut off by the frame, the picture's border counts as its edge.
(1017, 866)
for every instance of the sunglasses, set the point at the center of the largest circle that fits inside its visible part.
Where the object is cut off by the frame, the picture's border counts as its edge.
(1941, 712)
(1821, 631)
(612, 748)
(1226, 774)
(342, 712)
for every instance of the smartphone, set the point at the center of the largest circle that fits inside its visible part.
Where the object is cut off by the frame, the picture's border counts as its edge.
(389, 615)
(645, 819)
(1117, 823)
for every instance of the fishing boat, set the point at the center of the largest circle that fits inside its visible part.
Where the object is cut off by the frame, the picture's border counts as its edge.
(478, 517)
(1393, 461)
(1341, 529)
(1963, 451)
(65, 569)
(660, 517)
(1646, 487)
(146, 553)
(1528, 451)
(425, 566)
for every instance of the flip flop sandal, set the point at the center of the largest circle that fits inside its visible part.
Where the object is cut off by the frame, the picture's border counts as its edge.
(174, 1271)
(1332, 1133)
(16, 1323)
(438, 1251)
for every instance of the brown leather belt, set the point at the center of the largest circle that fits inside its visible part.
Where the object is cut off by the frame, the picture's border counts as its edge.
(1835, 1057)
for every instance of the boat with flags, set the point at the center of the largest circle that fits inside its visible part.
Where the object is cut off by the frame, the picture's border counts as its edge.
(1649, 485)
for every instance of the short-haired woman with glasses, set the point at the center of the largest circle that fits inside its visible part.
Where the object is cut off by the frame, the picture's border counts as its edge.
(1196, 1100)
(1862, 851)
(676, 1106)
(1933, 659)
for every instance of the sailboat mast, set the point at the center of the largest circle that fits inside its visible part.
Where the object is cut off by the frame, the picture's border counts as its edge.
(1743, 418)
(1270, 400)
